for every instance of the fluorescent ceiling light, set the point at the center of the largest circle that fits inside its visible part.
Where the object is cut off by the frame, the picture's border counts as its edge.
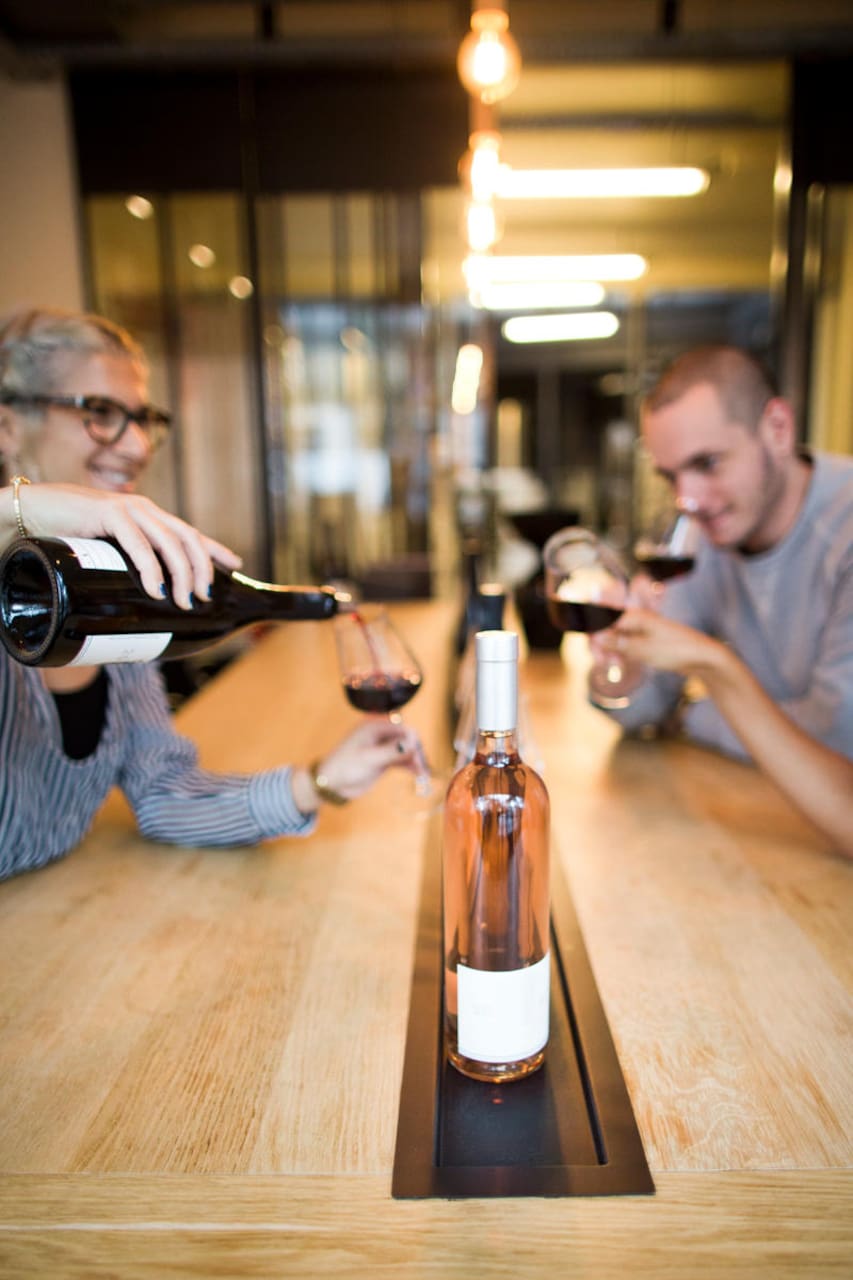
(561, 328)
(598, 184)
(519, 296)
(485, 269)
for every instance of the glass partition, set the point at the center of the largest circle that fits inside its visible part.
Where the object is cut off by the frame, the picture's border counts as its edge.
(305, 372)
(178, 278)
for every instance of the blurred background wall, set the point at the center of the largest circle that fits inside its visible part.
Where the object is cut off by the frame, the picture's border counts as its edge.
(40, 246)
(272, 197)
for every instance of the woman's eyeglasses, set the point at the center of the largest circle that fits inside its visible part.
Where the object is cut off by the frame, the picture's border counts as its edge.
(105, 420)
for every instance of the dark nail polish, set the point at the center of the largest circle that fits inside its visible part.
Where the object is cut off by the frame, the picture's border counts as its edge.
(210, 591)
(162, 589)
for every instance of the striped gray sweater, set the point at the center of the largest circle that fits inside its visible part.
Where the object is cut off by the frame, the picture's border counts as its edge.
(48, 801)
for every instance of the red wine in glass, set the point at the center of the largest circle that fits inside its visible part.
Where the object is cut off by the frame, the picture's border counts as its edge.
(672, 553)
(586, 590)
(662, 567)
(577, 615)
(380, 693)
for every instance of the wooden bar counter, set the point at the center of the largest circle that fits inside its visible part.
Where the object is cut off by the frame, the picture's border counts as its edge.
(201, 1050)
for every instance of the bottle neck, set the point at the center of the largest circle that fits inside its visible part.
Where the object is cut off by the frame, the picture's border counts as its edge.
(496, 747)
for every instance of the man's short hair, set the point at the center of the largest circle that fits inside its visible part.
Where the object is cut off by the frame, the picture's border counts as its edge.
(741, 380)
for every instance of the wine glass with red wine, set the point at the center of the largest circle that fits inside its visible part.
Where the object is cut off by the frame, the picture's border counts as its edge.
(586, 589)
(669, 549)
(380, 673)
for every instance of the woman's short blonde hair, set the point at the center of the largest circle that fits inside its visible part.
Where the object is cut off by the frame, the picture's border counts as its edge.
(37, 346)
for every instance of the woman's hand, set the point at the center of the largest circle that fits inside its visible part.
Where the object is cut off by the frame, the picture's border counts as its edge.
(138, 525)
(356, 763)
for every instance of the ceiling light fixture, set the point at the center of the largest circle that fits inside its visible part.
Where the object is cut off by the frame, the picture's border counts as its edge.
(481, 163)
(489, 62)
(481, 270)
(139, 207)
(577, 327)
(466, 379)
(540, 296)
(481, 226)
(201, 255)
(599, 184)
(241, 287)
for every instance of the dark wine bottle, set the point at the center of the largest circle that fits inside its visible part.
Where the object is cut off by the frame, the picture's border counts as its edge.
(485, 613)
(496, 895)
(79, 602)
(471, 553)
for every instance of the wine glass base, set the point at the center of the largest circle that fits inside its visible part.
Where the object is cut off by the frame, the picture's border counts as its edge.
(609, 701)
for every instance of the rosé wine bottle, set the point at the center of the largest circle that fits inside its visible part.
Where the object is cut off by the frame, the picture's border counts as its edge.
(496, 898)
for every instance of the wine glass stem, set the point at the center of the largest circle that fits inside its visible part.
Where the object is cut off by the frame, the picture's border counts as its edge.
(423, 775)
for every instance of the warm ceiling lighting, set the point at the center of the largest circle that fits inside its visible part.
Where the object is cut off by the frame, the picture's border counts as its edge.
(489, 63)
(483, 163)
(539, 296)
(481, 270)
(466, 379)
(782, 178)
(599, 184)
(241, 287)
(578, 327)
(481, 227)
(139, 207)
(201, 255)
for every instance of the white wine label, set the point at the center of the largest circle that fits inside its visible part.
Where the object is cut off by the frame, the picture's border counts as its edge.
(503, 1016)
(98, 650)
(92, 553)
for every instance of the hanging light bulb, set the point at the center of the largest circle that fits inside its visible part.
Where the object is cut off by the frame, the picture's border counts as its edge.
(481, 226)
(485, 163)
(489, 63)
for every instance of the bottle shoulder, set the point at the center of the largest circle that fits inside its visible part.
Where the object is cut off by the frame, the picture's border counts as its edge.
(501, 776)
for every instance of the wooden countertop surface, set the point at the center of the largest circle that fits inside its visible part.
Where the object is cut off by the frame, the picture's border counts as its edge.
(201, 1050)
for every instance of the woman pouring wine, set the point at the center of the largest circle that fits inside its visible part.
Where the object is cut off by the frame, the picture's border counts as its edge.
(76, 434)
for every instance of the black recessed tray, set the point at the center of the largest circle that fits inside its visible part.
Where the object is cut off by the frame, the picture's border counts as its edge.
(567, 1130)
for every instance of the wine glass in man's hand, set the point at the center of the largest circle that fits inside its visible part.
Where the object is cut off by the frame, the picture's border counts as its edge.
(668, 549)
(586, 589)
(380, 673)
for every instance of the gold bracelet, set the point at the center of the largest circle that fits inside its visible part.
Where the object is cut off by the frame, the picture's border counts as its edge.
(320, 783)
(16, 483)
